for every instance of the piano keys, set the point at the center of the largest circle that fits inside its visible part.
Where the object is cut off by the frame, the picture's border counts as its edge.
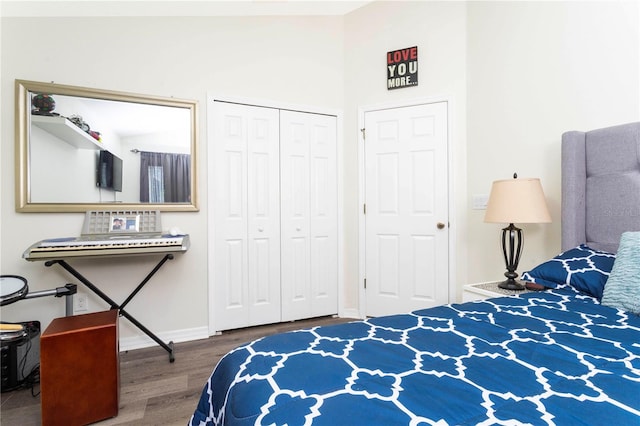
(60, 248)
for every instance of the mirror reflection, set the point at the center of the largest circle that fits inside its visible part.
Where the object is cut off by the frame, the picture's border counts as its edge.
(85, 149)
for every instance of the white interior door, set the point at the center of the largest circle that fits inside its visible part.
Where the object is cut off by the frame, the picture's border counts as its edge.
(406, 195)
(309, 272)
(246, 204)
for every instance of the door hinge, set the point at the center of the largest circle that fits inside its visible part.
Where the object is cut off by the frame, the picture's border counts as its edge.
(365, 283)
(364, 208)
(363, 133)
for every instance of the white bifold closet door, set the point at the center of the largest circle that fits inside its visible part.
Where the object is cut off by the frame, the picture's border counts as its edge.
(308, 209)
(246, 203)
(274, 203)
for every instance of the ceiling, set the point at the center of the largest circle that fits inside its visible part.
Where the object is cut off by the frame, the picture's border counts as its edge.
(35, 8)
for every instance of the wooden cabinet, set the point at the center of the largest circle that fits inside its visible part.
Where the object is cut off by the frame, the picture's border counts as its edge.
(80, 369)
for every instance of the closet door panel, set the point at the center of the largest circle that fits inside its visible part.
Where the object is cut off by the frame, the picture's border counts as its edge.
(309, 215)
(263, 223)
(230, 273)
(246, 211)
(294, 210)
(323, 230)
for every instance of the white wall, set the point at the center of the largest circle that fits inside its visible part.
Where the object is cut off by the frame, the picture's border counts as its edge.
(290, 59)
(536, 70)
(518, 75)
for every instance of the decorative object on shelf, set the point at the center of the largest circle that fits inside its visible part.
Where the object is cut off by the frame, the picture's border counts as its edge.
(78, 121)
(43, 104)
(515, 201)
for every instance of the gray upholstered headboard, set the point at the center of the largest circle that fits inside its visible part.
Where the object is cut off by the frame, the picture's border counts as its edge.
(600, 186)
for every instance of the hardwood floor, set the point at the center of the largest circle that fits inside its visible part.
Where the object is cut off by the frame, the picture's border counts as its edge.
(154, 391)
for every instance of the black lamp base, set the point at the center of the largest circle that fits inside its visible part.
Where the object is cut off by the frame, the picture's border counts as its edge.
(512, 241)
(511, 284)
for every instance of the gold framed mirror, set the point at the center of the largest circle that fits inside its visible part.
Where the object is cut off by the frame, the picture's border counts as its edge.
(80, 149)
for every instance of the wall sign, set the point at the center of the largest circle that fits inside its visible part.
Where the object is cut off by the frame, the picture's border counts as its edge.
(402, 68)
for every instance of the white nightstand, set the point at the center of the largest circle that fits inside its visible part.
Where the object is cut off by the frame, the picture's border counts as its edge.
(486, 290)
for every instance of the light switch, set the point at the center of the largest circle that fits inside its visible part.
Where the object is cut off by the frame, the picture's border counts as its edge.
(479, 202)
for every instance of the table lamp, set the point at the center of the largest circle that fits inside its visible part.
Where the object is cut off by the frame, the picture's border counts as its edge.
(515, 201)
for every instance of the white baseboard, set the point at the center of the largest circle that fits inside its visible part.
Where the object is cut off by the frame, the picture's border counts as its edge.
(143, 341)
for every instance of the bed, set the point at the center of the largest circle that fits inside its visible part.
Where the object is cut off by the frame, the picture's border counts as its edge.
(567, 355)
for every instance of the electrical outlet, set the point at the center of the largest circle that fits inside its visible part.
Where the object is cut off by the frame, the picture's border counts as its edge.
(81, 302)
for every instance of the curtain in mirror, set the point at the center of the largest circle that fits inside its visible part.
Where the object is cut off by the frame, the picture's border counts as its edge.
(165, 177)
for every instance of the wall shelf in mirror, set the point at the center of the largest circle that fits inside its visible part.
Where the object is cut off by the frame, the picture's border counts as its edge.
(65, 130)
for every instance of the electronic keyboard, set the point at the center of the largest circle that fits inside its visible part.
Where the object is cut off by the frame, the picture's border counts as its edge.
(121, 245)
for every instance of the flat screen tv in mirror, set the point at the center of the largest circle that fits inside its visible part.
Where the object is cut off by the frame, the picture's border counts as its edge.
(71, 140)
(109, 171)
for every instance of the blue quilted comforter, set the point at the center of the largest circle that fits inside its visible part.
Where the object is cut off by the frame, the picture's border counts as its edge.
(554, 357)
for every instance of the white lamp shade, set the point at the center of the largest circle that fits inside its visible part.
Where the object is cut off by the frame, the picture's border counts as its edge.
(518, 200)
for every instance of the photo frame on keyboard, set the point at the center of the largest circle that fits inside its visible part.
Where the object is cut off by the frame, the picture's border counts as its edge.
(124, 223)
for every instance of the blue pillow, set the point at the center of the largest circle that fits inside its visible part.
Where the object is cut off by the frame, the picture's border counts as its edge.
(623, 287)
(584, 268)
